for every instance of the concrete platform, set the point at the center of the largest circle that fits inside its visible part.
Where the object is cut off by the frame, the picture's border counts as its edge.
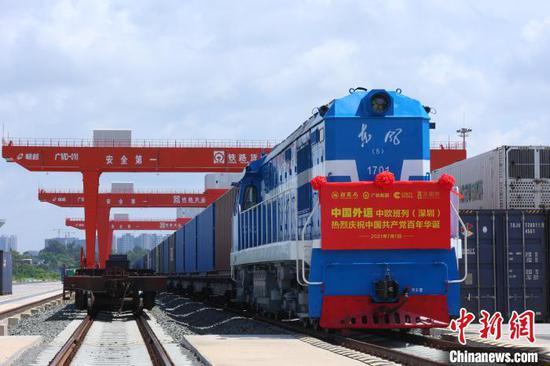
(13, 346)
(263, 350)
(29, 292)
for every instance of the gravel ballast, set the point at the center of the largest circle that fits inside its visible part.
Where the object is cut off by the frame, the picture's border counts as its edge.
(48, 324)
(181, 316)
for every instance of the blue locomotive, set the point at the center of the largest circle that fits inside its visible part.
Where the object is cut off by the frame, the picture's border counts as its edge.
(271, 223)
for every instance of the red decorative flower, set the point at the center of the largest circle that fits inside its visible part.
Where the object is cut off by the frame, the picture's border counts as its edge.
(318, 182)
(384, 179)
(446, 181)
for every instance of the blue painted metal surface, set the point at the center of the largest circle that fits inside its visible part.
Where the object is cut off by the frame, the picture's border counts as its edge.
(508, 262)
(191, 246)
(353, 272)
(165, 256)
(205, 240)
(180, 250)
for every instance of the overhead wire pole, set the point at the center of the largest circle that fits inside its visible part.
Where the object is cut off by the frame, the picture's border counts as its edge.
(106, 201)
(83, 156)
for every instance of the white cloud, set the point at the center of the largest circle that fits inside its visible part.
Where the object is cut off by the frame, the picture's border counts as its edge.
(251, 69)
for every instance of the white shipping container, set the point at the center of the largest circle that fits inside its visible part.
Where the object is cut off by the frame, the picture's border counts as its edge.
(508, 177)
(188, 211)
(110, 138)
(122, 187)
(221, 181)
(121, 217)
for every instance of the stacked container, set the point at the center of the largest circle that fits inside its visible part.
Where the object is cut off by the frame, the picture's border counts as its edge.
(508, 262)
(508, 177)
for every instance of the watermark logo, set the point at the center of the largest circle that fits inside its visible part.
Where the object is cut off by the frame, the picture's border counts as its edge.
(520, 325)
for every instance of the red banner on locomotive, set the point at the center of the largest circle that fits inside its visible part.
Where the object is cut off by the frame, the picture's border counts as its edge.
(384, 214)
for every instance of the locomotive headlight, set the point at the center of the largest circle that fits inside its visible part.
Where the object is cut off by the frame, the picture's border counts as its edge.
(380, 103)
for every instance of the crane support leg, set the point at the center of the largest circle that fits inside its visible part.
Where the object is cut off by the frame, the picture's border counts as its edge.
(103, 230)
(90, 181)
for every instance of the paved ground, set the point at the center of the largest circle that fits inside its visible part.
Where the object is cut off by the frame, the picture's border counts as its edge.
(29, 292)
(263, 350)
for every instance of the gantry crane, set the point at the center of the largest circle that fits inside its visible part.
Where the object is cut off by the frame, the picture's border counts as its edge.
(92, 157)
(108, 200)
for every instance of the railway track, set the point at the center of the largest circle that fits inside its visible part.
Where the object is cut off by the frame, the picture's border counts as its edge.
(111, 339)
(402, 348)
(28, 306)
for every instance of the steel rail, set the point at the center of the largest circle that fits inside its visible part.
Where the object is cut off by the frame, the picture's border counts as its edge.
(66, 354)
(28, 306)
(158, 354)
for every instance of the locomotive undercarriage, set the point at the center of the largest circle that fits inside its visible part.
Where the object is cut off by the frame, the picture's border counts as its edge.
(272, 288)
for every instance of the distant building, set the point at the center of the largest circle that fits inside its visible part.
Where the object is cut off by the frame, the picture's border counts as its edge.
(149, 241)
(8, 242)
(127, 242)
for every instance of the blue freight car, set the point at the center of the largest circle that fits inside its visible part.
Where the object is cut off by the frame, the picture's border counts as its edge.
(205, 240)
(507, 262)
(191, 246)
(180, 248)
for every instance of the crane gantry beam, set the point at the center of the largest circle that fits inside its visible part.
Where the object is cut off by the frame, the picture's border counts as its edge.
(93, 157)
(106, 201)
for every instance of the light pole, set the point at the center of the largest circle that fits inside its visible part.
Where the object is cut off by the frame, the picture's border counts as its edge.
(464, 132)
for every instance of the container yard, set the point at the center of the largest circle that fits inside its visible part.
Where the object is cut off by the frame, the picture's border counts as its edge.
(303, 183)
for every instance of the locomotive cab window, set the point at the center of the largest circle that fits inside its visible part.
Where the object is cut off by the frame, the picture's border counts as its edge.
(250, 197)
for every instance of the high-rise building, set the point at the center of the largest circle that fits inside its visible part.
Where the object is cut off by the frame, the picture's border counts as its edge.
(8, 242)
(125, 243)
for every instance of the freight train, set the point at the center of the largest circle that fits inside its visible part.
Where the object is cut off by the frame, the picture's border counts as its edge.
(260, 243)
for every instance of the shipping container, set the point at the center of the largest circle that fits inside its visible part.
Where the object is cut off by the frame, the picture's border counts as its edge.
(6, 273)
(158, 259)
(172, 253)
(205, 240)
(165, 256)
(180, 247)
(507, 262)
(121, 217)
(221, 180)
(191, 246)
(122, 187)
(508, 177)
(223, 234)
(110, 138)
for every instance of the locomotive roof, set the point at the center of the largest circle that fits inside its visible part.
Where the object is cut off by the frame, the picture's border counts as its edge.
(354, 106)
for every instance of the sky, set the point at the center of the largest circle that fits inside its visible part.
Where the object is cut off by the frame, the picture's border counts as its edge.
(253, 70)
